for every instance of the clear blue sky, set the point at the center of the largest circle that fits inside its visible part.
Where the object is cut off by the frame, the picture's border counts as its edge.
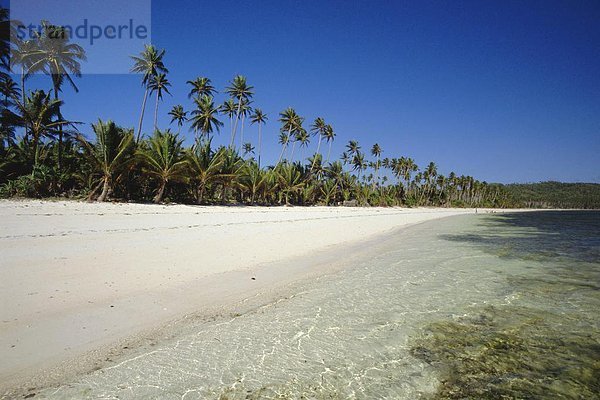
(506, 91)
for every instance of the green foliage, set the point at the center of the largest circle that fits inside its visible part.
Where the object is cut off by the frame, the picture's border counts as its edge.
(555, 195)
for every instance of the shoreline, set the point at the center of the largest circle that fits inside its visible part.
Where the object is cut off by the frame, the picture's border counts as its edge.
(279, 248)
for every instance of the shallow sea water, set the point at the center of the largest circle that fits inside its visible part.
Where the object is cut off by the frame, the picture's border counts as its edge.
(464, 307)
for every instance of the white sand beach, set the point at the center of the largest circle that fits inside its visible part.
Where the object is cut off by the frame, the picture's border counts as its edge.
(78, 277)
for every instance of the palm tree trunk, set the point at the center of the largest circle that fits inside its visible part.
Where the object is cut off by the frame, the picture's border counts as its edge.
(281, 154)
(242, 133)
(237, 117)
(161, 191)
(156, 112)
(292, 155)
(105, 189)
(259, 143)
(329, 151)
(315, 159)
(139, 134)
(60, 132)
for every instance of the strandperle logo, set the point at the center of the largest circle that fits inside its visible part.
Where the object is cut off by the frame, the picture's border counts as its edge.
(108, 31)
(87, 31)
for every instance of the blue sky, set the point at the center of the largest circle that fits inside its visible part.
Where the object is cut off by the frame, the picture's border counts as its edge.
(506, 91)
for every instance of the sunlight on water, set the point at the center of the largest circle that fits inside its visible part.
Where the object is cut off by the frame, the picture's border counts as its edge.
(399, 325)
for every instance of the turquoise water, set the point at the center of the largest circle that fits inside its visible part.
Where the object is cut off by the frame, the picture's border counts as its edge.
(478, 306)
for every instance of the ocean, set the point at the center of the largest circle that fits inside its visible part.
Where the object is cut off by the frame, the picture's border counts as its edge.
(474, 306)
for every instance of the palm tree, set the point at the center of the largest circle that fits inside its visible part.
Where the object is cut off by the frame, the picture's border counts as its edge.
(289, 123)
(318, 128)
(204, 116)
(59, 58)
(205, 166)
(110, 155)
(239, 90)
(245, 110)
(148, 63)
(304, 139)
(158, 83)
(42, 115)
(25, 53)
(376, 152)
(248, 149)
(163, 158)
(229, 108)
(330, 136)
(284, 139)
(178, 114)
(259, 118)
(9, 91)
(352, 148)
(201, 86)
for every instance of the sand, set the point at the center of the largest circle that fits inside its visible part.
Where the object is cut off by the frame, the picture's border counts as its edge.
(77, 277)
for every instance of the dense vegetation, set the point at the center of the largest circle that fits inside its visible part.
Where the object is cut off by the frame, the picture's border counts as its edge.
(555, 195)
(44, 154)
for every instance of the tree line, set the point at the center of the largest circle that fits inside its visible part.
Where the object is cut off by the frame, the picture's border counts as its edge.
(44, 154)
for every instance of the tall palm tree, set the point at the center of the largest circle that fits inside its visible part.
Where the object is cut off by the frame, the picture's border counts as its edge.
(319, 127)
(148, 63)
(201, 86)
(163, 158)
(245, 111)
(26, 54)
(352, 148)
(376, 152)
(158, 83)
(229, 108)
(289, 123)
(239, 90)
(330, 137)
(204, 117)
(284, 139)
(59, 58)
(259, 118)
(304, 139)
(110, 155)
(178, 115)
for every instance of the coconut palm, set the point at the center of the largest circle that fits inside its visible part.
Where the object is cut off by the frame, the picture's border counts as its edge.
(376, 152)
(289, 123)
(201, 86)
(304, 139)
(204, 166)
(245, 111)
(162, 157)
(240, 91)
(110, 155)
(158, 83)
(284, 139)
(148, 63)
(59, 58)
(178, 115)
(42, 115)
(248, 149)
(259, 118)
(319, 127)
(352, 147)
(204, 117)
(230, 171)
(330, 137)
(9, 90)
(229, 108)
(25, 54)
